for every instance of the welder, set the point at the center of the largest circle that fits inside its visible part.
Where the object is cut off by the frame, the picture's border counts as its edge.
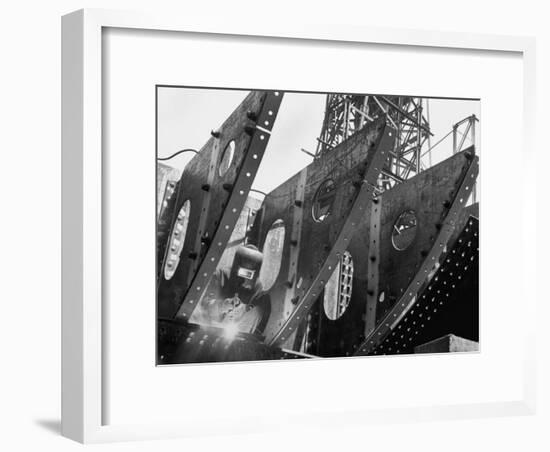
(237, 301)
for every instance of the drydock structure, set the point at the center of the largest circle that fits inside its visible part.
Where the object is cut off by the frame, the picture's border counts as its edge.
(366, 251)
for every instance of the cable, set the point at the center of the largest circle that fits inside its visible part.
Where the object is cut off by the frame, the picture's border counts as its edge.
(177, 153)
(258, 191)
(428, 150)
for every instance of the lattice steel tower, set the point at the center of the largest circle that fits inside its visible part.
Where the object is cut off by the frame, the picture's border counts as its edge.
(345, 114)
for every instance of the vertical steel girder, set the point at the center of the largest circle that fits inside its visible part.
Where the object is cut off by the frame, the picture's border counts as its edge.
(372, 271)
(346, 114)
(296, 238)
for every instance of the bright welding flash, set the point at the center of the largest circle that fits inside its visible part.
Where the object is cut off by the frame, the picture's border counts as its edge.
(230, 331)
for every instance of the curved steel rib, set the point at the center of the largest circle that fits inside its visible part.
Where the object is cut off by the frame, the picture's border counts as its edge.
(217, 196)
(440, 297)
(409, 297)
(363, 201)
(240, 189)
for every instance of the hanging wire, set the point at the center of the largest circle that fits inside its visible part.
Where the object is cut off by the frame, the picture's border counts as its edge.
(258, 191)
(176, 153)
(428, 150)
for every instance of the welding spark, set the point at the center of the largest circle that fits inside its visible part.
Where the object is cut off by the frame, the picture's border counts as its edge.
(230, 331)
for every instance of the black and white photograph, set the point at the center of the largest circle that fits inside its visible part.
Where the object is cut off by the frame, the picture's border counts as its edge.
(305, 225)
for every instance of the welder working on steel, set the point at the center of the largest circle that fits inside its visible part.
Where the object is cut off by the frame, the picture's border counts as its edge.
(237, 301)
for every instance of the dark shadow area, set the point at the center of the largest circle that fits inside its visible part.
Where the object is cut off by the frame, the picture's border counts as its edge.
(52, 425)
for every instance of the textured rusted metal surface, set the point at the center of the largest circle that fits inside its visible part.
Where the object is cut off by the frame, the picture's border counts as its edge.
(449, 303)
(216, 199)
(430, 259)
(292, 201)
(402, 295)
(353, 167)
(376, 259)
(429, 196)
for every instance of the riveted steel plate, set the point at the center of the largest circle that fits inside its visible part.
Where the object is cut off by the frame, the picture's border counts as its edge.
(354, 184)
(216, 199)
(382, 272)
(430, 262)
(448, 304)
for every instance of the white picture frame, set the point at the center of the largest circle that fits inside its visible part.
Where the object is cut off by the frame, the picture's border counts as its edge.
(83, 392)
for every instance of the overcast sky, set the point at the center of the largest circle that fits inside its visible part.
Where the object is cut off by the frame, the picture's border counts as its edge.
(186, 116)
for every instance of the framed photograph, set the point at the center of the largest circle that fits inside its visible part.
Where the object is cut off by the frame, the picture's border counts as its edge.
(367, 243)
(287, 215)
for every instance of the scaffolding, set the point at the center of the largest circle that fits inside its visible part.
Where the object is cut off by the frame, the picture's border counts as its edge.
(464, 132)
(408, 116)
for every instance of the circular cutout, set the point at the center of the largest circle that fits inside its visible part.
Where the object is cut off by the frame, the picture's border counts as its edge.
(323, 200)
(177, 239)
(338, 288)
(273, 254)
(404, 230)
(227, 158)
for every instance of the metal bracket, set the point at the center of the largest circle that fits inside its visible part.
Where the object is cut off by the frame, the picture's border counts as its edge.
(408, 299)
(362, 202)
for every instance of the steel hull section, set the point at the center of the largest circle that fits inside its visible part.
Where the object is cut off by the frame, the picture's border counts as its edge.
(381, 272)
(216, 199)
(431, 257)
(312, 248)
